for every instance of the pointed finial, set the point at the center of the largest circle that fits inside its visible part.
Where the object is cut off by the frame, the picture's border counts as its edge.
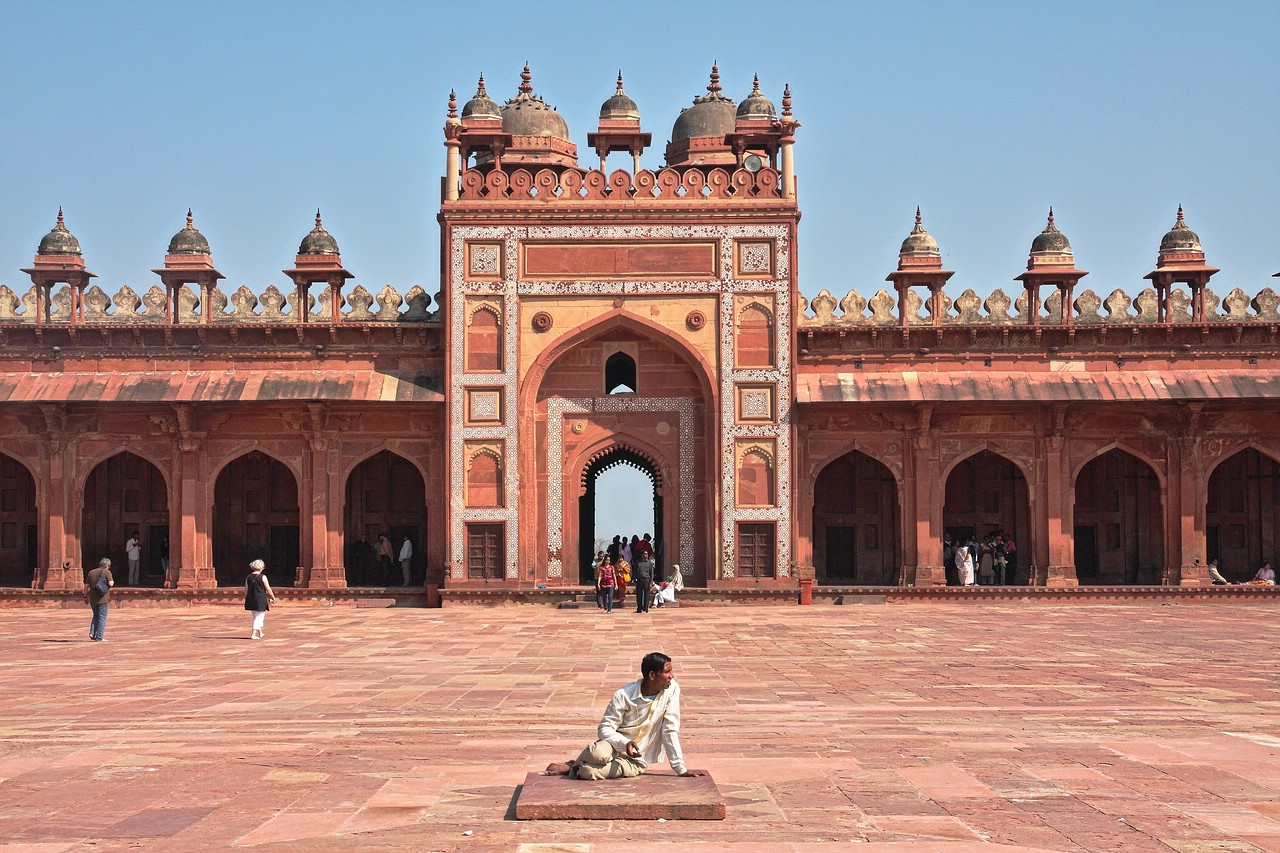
(525, 77)
(318, 218)
(918, 227)
(190, 220)
(1051, 226)
(786, 100)
(755, 84)
(453, 104)
(480, 90)
(619, 92)
(62, 224)
(714, 86)
(1180, 221)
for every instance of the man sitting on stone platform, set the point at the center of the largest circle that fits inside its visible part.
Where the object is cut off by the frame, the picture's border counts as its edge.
(640, 726)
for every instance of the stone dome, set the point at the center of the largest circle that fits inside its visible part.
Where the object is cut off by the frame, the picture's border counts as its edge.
(620, 106)
(1050, 241)
(756, 105)
(1180, 238)
(919, 243)
(319, 241)
(481, 105)
(189, 241)
(528, 115)
(712, 114)
(59, 241)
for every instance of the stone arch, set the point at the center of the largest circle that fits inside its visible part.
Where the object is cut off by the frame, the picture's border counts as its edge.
(125, 491)
(490, 465)
(755, 341)
(19, 522)
(1023, 465)
(256, 515)
(857, 536)
(756, 476)
(620, 370)
(1242, 512)
(385, 493)
(1119, 517)
(88, 466)
(1248, 444)
(986, 493)
(620, 319)
(388, 447)
(607, 454)
(1156, 465)
(481, 358)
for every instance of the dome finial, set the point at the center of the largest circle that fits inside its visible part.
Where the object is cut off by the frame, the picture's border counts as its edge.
(786, 100)
(714, 86)
(318, 218)
(480, 90)
(453, 104)
(919, 226)
(63, 225)
(755, 84)
(190, 219)
(1180, 221)
(1050, 226)
(619, 92)
(526, 76)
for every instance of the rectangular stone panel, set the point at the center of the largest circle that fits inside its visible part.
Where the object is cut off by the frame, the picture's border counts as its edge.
(621, 259)
(645, 797)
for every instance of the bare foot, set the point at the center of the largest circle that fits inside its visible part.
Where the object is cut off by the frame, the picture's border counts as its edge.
(558, 768)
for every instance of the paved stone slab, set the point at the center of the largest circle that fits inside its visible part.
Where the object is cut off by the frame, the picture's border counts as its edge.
(650, 796)
(901, 727)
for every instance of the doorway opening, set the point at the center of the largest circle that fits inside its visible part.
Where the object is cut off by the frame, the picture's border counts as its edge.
(621, 497)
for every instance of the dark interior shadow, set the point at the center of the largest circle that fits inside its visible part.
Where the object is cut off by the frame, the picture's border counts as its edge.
(511, 807)
(50, 640)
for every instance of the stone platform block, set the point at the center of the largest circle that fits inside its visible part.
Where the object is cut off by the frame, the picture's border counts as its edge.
(646, 797)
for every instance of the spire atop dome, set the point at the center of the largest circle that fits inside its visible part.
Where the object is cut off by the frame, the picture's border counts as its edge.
(481, 106)
(188, 241)
(619, 105)
(756, 106)
(526, 78)
(453, 104)
(714, 86)
(619, 92)
(786, 100)
(319, 241)
(1051, 244)
(59, 241)
(919, 243)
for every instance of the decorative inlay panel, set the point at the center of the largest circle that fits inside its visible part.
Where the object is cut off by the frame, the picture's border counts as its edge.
(755, 402)
(755, 258)
(484, 405)
(484, 260)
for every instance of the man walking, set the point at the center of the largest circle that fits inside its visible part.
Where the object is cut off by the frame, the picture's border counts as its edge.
(133, 550)
(97, 591)
(406, 559)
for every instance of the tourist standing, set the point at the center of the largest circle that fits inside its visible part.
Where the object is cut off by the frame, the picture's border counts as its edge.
(595, 573)
(385, 557)
(258, 597)
(97, 591)
(644, 583)
(608, 580)
(133, 550)
(406, 559)
(964, 565)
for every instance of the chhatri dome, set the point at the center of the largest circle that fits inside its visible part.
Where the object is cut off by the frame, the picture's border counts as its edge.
(189, 241)
(1050, 241)
(59, 241)
(756, 106)
(1180, 238)
(919, 243)
(319, 241)
(712, 114)
(481, 105)
(620, 106)
(528, 115)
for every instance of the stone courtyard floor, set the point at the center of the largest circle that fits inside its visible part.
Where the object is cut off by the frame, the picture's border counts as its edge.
(940, 727)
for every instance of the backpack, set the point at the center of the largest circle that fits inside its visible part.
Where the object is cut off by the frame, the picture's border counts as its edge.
(100, 586)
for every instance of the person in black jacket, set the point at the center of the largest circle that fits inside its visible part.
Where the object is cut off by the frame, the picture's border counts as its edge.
(258, 597)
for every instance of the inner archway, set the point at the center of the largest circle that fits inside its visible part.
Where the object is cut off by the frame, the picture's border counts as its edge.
(385, 496)
(255, 517)
(1242, 519)
(855, 522)
(18, 523)
(1119, 524)
(986, 496)
(621, 491)
(124, 494)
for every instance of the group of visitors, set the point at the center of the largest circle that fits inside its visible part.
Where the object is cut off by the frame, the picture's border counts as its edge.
(1265, 576)
(991, 562)
(631, 561)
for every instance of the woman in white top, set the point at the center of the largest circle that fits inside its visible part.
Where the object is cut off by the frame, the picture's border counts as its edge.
(964, 565)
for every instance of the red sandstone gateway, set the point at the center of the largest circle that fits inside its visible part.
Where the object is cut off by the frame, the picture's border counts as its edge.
(588, 318)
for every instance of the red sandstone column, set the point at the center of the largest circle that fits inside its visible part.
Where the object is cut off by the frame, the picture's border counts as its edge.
(320, 568)
(923, 551)
(190, 542)
(62, 568)
(1192, 487)
(1059, 516)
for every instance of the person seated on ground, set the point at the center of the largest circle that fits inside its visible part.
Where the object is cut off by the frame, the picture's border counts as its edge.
(1215, 575)
(640, 726)
(1266, 574)
(667, 591)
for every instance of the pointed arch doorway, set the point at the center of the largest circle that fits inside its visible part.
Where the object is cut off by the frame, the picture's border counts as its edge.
(595, 506)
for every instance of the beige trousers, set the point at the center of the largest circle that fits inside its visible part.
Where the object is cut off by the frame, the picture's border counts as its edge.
(601, 761)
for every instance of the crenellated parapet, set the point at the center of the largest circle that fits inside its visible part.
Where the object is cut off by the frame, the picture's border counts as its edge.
(665, 185)
(999, 309)
(242, 306)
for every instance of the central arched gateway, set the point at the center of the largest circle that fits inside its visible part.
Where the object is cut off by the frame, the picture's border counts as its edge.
(619, 454)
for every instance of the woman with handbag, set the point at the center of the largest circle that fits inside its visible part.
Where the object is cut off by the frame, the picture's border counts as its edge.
(258, 597)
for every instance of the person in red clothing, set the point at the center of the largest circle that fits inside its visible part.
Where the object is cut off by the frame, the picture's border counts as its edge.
(608, 580)
(643, 550)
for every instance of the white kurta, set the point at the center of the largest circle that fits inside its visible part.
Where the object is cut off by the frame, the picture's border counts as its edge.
(654, 724)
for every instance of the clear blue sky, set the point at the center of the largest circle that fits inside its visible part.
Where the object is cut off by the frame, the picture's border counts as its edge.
(985, 114)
